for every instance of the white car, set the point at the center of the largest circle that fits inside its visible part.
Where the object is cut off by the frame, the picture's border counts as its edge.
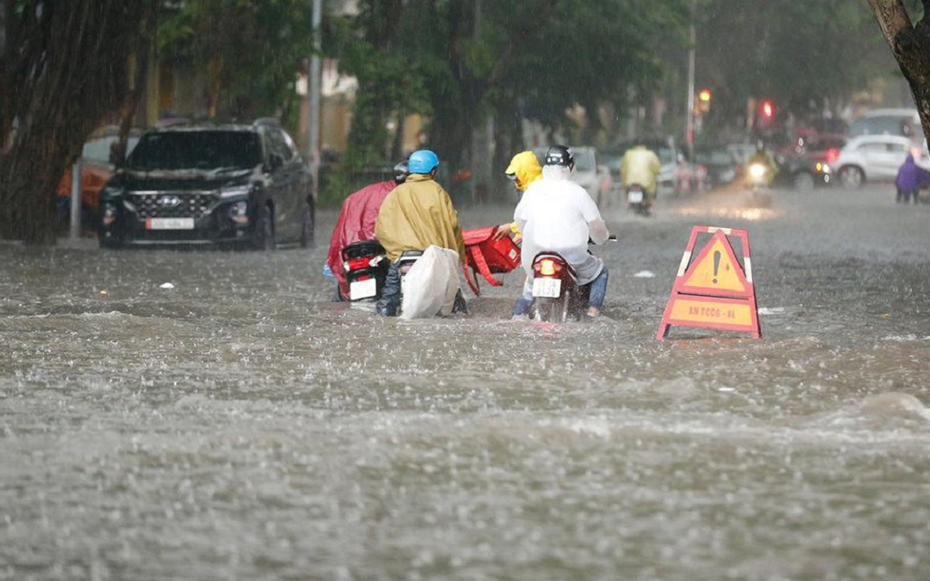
(873, 158)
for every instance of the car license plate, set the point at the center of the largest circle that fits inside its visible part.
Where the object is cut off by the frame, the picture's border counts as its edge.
(547, 287)
(635, 196)
(363, 289)
(169, 224)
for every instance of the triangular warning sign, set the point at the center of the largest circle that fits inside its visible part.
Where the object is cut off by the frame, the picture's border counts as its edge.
(716, 270)
(713, 291)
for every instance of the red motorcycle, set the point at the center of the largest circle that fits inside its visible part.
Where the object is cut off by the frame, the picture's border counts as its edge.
(366, 267)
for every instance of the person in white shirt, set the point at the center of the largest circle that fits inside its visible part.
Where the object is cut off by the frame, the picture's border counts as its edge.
(556, 214)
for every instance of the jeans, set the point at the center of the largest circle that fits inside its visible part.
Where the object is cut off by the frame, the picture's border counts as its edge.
(390, 294)
(596, 299)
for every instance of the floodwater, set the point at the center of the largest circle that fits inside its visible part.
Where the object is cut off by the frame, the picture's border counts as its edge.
(241, 426)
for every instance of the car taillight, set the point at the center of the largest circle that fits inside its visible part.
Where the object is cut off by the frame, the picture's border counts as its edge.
(832, 154)
(548, 267)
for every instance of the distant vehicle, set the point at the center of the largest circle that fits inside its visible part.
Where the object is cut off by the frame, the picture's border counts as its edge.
(741, 152)
(96, 168)
(814, 161)
(677, 175)
(244, 185)
(721, 165)
(902, 122)
(587, 173)
(872, 157)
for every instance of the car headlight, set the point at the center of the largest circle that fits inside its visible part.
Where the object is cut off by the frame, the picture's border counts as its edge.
(235, 191)
(108, 216)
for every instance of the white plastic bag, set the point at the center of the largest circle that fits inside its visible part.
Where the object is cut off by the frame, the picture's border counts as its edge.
(431, 284)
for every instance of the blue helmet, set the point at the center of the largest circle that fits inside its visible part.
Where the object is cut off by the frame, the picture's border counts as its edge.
(422, 161)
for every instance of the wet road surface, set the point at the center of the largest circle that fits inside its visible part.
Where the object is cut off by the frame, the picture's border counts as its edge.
(241, 426)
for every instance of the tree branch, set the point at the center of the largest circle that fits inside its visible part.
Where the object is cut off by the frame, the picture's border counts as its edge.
(892, 18)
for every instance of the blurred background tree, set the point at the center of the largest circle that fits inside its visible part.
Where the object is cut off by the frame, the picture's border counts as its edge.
(63, 67)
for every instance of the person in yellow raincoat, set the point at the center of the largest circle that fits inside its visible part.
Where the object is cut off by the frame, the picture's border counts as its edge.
(414, 216)
(523, 170)
(641, 166)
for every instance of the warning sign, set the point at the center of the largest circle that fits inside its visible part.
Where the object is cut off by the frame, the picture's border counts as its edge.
(714, 290)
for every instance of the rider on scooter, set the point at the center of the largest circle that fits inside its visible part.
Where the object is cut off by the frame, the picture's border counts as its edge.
(556, 214)
(416, 215)
(357, 222)
(641, 166)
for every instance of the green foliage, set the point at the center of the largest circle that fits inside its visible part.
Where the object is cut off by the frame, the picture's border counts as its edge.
(250, 50)
(458, 61)
(801, 54)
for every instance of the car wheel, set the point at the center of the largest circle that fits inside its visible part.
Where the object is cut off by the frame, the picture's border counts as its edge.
(803, 181)
(851, 177)
(307, 227)
(263, 238)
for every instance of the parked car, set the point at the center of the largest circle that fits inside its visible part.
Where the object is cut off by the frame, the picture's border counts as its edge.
(872, 157)
(588, 174)
(244, 185)
(813, 162)
(97, 166)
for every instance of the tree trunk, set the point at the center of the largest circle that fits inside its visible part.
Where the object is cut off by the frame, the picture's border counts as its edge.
(71, 69)
(910, 45)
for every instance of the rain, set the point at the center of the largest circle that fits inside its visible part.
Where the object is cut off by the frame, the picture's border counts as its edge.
(198, 413)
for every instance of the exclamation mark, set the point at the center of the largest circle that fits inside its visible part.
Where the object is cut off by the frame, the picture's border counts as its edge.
(716, 265)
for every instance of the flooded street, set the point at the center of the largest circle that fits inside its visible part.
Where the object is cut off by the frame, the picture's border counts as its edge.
(241, 426)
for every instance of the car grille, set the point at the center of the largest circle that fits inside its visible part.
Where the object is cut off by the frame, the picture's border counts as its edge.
(172, 204)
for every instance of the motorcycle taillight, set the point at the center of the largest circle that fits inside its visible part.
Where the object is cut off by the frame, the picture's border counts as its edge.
(358, 263)
(548, 267)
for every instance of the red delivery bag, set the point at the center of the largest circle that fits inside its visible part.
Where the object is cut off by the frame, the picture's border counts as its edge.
(488, 255)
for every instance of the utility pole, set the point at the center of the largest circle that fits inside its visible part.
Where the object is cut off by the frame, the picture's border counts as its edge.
(689, 126)
(313, 94)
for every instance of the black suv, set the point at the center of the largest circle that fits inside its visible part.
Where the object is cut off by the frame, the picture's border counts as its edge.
(242, 185)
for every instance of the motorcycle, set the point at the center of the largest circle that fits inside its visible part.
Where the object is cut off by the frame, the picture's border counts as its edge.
(758, 179)
(366, 267)
(405, 263)
(758, 176)
(557, 296)
(636, 200)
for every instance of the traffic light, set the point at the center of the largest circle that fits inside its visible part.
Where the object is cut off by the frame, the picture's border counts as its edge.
(704, 97)
(768, 110)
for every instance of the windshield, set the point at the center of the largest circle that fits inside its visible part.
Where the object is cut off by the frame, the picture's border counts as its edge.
(196, 150)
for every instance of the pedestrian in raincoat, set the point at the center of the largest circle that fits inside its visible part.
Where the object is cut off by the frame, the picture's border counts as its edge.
(523, 170)
(911, 177)
(357, 222)
(558, 215)
(416, 215)
(641, 166)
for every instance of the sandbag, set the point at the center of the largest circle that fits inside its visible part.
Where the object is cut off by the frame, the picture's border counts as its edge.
(431, 284)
